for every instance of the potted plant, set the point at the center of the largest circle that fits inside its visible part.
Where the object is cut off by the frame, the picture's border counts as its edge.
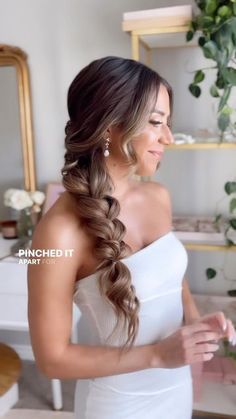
(215, 25)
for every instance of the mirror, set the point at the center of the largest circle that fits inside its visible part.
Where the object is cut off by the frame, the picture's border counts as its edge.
(17, 165)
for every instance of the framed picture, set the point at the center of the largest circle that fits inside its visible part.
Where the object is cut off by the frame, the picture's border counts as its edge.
(53, 191)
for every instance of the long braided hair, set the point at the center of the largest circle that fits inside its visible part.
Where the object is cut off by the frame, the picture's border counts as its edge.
(110, 91)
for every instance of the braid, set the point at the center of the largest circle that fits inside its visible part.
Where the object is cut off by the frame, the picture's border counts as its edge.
(98, 212)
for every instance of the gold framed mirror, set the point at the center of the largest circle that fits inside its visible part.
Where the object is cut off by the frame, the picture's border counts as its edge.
(17, 168)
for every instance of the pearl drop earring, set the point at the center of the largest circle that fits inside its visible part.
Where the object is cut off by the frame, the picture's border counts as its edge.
(106, 152)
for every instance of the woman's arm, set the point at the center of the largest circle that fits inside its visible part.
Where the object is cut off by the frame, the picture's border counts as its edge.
(191, 312)
(50, 297)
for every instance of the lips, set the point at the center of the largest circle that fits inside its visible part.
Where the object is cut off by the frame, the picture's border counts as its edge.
(156, 153)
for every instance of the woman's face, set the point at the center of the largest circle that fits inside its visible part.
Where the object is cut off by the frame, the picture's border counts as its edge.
(150, 143)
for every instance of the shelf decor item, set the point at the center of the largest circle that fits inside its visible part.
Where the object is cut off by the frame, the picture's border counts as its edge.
(27, 206)
(215, 26)
(199, 229)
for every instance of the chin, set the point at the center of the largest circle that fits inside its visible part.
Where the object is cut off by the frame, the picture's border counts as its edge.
(147, 171)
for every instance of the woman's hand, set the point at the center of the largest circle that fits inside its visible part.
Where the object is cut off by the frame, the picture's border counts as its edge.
(189, 344)
(218, 321)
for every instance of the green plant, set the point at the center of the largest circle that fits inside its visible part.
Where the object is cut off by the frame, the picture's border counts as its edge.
(227, 349)
(216, 26)
(230, 226)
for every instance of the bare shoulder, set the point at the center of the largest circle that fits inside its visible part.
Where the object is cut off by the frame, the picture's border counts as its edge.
(60, 227)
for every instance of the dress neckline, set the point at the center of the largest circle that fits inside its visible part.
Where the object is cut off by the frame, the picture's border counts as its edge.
(130, 256)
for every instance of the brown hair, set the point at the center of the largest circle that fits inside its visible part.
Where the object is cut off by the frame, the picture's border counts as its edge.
(109, 91)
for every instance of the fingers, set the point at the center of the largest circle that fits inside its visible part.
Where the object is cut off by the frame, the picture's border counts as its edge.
(197, 327)
(202, 358)
(201, 348)
(230, 332)
(206, 337)
(216, 319)
(221, 320)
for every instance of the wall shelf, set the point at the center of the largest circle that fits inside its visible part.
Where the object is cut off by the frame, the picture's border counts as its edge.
(209, 247)
(162, 37)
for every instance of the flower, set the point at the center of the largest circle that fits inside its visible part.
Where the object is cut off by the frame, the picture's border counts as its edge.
(37, 197)
(17, 199)
(20, 199)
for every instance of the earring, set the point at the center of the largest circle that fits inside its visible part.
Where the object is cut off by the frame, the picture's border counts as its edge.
(106, 152)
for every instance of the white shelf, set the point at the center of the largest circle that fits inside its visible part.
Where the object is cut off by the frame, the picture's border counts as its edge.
(168, 40)
(217, 398)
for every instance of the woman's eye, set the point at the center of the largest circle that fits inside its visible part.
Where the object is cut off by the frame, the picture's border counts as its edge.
(155, 122)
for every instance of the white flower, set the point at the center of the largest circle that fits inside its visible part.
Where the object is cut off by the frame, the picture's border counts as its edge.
(17, 199)
(37, 197)
(7, 196)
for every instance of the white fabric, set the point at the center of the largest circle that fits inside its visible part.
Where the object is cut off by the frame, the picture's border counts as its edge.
(157, 272)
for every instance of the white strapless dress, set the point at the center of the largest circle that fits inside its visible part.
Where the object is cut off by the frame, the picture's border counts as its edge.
(161, 393)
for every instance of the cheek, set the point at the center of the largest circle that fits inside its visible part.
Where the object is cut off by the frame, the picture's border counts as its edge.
(143, 142)
(147, 165)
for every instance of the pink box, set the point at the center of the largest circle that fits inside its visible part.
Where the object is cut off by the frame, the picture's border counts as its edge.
(229, 370)
(196, 370)
(213, 370)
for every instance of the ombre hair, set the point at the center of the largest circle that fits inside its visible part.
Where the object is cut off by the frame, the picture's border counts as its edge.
(110, 91)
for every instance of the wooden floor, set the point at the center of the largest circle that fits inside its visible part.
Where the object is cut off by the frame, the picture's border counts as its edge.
(10, 368)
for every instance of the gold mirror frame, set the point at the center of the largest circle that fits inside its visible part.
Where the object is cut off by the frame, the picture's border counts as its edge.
(14, 56)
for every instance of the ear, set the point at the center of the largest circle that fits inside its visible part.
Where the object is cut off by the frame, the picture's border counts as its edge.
(112, 131)
(108, 133)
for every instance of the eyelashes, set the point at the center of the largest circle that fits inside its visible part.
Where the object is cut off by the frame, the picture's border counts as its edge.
(157, 123)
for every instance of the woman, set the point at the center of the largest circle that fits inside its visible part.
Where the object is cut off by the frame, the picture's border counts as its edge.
(126, 273)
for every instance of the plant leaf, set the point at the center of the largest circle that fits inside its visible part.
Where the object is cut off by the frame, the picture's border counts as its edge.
(199, 76)
(223, 121)
(189, 36)
(224, 11)
(210, 273)
(224, 99)
(231, 293)
(220, 82)
(229, 75)
(211, 6)
(201, 41)
(232, 205)
(217, 218)
(230, 187)
(214, 91)
(233, 223)
(195, 90)
(210, 50)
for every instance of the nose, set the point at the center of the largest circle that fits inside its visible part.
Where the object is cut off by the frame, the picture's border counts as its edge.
(166, 137)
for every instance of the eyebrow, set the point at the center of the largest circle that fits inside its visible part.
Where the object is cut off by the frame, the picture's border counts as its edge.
(159, 112)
